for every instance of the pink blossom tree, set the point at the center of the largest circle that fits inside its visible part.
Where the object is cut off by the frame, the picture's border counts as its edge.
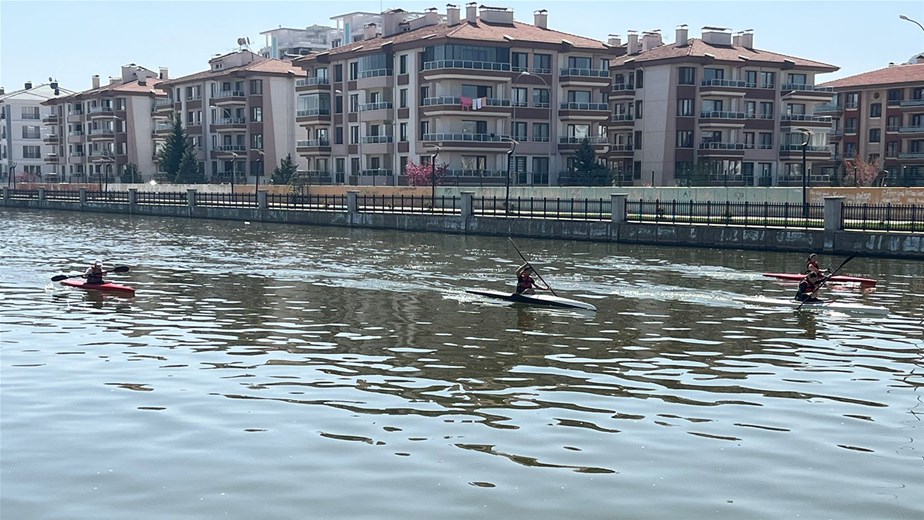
(424, 174)
(863, 173)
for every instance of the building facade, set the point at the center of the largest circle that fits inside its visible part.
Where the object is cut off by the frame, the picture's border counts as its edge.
(101, 132)
(878, 117)
(468, 92)
(716, 110)
(238, 115)
(26, 149)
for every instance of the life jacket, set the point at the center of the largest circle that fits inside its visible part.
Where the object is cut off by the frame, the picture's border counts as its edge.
(524, 282)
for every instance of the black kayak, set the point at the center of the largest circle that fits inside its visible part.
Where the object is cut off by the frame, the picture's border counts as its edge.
(546, 300)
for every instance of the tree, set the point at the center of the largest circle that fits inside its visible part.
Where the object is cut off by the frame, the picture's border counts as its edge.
(863, 173)
(587, 169)
(285, 172)
(171, 155)
(130, 174)
(424, 174)
(190, 171)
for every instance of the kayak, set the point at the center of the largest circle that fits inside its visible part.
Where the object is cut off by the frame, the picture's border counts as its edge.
(546, 300)
(106, 286)
(820, 305)
(835, 278)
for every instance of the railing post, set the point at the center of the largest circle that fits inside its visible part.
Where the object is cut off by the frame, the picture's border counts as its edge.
(41, 195)
(467, 204)
(83, 196)
(833, 213)
(262, 201)
(191, 198)
(618, 207)
(352, 204)
(132, 198)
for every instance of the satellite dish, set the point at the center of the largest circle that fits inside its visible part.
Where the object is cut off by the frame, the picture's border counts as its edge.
(248, 41)
(240, 41)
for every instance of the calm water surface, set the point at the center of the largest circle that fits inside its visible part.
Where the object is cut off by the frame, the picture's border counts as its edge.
(265, 371)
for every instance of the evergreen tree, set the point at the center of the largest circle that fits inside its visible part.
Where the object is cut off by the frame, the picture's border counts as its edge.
(284, 173)
(589, 171)
(171, 155)
(190, 171)
(131, 174)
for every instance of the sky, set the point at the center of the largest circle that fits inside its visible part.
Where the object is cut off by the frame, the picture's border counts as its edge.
(71, 41)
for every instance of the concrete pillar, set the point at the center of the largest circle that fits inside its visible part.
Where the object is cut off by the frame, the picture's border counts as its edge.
(352, 204)
(6, 193)
(83, 196)
(191, 198)
(262, 200)
(467, 203)
(618, 203)
(41, 195)
(833, 213)
(132, 198)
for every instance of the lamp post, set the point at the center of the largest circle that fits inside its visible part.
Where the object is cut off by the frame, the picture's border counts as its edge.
(233, 170)
(807, 135)
(513, 147)
(436, 151)
(12, 174)
(903, 17)
(549, 88)
(258, 172)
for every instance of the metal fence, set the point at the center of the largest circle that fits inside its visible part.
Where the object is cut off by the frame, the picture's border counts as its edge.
(762, 214)
(307, 202)
(157, 198)
(867, 217)
(408, 204)
(558, 209)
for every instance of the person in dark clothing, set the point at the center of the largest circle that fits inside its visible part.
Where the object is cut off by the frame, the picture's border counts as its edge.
(525, 282)
(94, 273)
(808, 287)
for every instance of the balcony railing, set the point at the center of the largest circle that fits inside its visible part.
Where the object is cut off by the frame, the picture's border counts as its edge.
(375, 73)
(231, 148)
(308, 82)
(805, 117)
(230, 121)
(101, 110)
(726, 83)
(799, 87)
(725, 146)
(484, 138)
(913, 103)
(596, 139)
(722, 115)
(312, 143)
(457, 100)
(309, 112)
(223, 94)
(583, 73)
(911, 129)
(382, 105)
(466, 64)
(584, 106)
(798, 148)
(377, 139)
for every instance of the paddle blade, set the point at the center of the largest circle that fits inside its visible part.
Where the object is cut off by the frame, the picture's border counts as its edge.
(59, 277)
(121, 269)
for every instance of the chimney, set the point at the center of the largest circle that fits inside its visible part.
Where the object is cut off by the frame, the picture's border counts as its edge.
(2, 91)
(28, 85)
(736, 39)
(452, 14)
(614, 41)
(95, 81)
(541, 19)
(650, 40)
(369, 31)
(163, 73)
(391, 20)
(143, 82)
(919, 59)
(633, 43)
(682, 35)
(471, 12)
(747, 39)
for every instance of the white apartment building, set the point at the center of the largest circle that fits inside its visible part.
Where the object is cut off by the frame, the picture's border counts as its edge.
(24, 147)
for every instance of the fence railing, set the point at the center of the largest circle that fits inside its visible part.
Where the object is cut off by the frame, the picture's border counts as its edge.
(854, 217)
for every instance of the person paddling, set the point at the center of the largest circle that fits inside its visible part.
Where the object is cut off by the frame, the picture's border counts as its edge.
(808, 287)
(811, 266)
(525, 282)
(94, 273)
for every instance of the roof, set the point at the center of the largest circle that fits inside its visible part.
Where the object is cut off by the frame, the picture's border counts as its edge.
(891, 75)
(39, 92)
(151, 86)
(478, 31)
(258, 65)
(697, 48)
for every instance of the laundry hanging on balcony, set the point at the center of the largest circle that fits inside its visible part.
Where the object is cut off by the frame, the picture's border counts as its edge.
(466, 103)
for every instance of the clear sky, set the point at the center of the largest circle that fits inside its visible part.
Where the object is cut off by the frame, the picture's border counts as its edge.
(73, 40)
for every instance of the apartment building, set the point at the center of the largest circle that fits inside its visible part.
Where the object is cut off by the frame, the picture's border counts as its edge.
(238, 115)
(23, 147)
(716, 110)
(287, 42)
(463, 91)
(878, 117)
(99, 132)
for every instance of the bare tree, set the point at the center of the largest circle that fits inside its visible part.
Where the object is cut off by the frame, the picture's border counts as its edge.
(862, 172)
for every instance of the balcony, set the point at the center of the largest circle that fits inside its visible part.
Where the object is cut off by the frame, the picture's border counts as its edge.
(720, 118)
(312, 146)
(229, 124)
(594, 111)
(727, 87)
(723, 149)
(314, 83)
(98, 112)
(474, 70)
(312, 115)
(377, 139)
(51, 158)
(622, 90)
(50, 119)
(465, 141)
(828, 108)
(807, 120)
(911, 155)
(919, 129)
(51, 139)
(911, 103)
(162, 106)
(589, 77)
(622, 120)
(795, 150)
(453, 105)
(101, 134)
(229, 97)
(800, 88)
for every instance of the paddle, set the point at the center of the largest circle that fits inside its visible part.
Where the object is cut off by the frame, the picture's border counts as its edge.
(119, 269)
(828, 277)
(531, 266)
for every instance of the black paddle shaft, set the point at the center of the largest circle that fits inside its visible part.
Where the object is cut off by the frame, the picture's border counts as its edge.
(826, 278)
(119, 269)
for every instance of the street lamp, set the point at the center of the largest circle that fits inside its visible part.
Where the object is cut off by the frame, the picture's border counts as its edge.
(513, 147)
(903, 17)
(258, 172)
(807, 135)
(436, 151)
(12, 174)
(233, 170)
(549, 88)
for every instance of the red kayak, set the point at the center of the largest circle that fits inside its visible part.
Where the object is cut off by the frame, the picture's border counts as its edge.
(106, 286)
(868, 282)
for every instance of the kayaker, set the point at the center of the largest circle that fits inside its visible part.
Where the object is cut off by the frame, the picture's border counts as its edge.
(811, 266)
(525, 282)
(94, 273)
(808, 287)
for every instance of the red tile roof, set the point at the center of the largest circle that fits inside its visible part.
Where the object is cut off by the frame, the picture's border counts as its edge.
(892, 75)
(259, 65)
(151, 87)
(697, 48)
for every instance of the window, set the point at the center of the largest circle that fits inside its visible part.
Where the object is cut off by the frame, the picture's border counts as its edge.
(338, 104)
(354, 165)
(541, 98)
(891, 149)
(853, 98)
(354, 134)
(256, 114)
(639, 78)
(767, 79)
(31, 113)
(713, 105)
(402, 129)
(424, 92)
(424, 128)
(850, 126)
(578, 132)
(750, 109)
(711, 74)
(797, 79)
(638, 139)
(875, 135)
(579, 96)
(402, 64)
(895, 97)
(338, 135)
(765, 141)
(750, 80)
(894, 122)
(519, 97)
(354, 102)
(579, 62)
(766, 110)
(541, 132)
(474, 127)
(519, 61)
(542, 63)
(638, 109)
(749, 140)
(402, 98)
(875, 110)
(256, 85)
(256, 141)
(519, 130)
(685, 139)
(31, 152)
(354, 70)
(685, 107)
(474, 162)
(31, 132)
(338, 73)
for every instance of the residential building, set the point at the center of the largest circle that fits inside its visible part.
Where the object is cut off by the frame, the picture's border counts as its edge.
(238, 114)
(23, 147)
(102, 131)
(468, 92)
(878, 117)
(716, 110)
(286, 43)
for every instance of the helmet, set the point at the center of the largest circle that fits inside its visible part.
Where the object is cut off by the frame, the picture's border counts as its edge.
(813, 255)
(98, 262)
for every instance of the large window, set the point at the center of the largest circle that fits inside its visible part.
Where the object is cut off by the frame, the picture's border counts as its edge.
(685, 139)
(472, 53)
(767, 79)
(542, 63)
(541, 132)
(687, 76)
(875, 135)
(519, 61)
(875, 110)
(541, 98)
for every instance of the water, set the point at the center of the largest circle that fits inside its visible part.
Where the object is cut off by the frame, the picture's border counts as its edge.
(269, 371)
